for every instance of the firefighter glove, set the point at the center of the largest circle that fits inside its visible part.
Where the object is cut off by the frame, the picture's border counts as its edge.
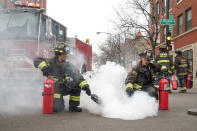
(129, 91)
(65, 80)
(164, 69)
(87, 89)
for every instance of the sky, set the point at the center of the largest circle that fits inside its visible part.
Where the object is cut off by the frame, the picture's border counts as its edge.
(83, 18)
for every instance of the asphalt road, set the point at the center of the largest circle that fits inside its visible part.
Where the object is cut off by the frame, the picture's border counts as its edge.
(174, 119)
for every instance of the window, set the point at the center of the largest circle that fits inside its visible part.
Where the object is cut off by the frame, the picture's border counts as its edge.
(164, 7)
(157, 7)
(188, 19)
(61, 34)
(179, 1)
(17, 25)
(43, 28)
(164, 34)
(180, 24)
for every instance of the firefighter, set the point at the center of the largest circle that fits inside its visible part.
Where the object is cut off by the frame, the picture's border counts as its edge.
(182, 68)
(68, 80)
(142, 76)
(164, 59)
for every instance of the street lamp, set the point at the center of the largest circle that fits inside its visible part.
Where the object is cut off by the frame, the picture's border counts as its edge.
(119, 57)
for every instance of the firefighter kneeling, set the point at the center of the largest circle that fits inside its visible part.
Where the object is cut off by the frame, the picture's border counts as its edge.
(142, 76)
(67, 79)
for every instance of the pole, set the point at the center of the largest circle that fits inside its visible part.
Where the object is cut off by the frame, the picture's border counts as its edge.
(167, 15)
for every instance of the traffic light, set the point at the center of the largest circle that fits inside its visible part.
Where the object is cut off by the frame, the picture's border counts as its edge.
(168, 41)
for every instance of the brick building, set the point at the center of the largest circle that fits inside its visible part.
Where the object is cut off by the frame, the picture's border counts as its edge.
(185, 29)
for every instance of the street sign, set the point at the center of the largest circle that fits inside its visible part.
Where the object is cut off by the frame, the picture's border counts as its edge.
(167, 21)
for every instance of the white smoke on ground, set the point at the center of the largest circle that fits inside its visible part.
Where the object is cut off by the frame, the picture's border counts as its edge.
(21, 95)
(108, 83)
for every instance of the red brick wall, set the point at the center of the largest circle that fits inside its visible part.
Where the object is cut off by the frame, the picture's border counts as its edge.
(180, 9)
(176, 10)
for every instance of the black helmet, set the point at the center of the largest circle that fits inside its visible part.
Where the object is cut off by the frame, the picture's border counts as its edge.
(162, 47)
(61, 49)
(146, 55)
(178, 51)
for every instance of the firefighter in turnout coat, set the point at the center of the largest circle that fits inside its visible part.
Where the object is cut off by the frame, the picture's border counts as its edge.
(164, 59)
(68, 80)
(142, 76)
(182, 68)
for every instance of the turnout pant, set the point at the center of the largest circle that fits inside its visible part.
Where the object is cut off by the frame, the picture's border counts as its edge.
(151, 90)
(62, 90)
(182, 81)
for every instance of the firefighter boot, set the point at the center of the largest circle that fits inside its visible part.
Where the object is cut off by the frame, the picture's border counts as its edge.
(75, 109)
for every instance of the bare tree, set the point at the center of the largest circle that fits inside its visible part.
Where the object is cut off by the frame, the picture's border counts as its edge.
(142, 15)
(111, 50)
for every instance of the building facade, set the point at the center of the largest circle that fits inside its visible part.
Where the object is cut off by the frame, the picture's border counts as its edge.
(184, 35)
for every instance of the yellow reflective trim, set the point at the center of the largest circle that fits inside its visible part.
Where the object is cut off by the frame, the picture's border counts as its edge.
(57, 96)
(54, 79)
(75, 98)
(183, 88)
(182, 74)
(136, 86)
(163, 61)
(169, 71)
(183, 65)
(85, 82)
(129, 85)
(42, 64)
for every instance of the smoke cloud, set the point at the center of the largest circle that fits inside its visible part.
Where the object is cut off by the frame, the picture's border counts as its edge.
(23, 96)
(108, 83)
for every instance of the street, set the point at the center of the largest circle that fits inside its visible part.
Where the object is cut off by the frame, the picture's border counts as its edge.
(174, 119)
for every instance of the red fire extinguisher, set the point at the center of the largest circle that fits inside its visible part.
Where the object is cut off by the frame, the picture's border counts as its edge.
(163, 94)
(189, 77)
(48, 94)
(174, 82)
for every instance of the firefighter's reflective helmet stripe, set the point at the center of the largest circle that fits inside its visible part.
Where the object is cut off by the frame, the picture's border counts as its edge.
(42, 65)
(182, 74)
(163, 61)
(183, 65)
(129, 85)
(57, 96)
(137, 87)
(75, 98)
(183, 88)
(83, 83)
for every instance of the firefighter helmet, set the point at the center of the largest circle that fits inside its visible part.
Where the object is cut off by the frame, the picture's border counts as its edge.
(61, 49)
(147, 54)
(178, 51)
(162, 47)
